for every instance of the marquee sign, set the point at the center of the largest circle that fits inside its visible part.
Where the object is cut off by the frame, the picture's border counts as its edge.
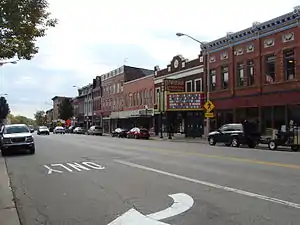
(185, 101)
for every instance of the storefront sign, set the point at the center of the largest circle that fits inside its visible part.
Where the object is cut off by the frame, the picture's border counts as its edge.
(185, 101)
(174, 85)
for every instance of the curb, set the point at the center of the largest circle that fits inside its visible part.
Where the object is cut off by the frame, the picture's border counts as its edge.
(8, 211)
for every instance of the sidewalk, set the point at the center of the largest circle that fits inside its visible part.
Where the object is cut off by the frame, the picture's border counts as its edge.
(8, 212)
(179, 138)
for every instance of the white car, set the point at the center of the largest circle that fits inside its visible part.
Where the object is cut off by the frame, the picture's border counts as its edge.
(16, 137)
(59, 130)
(43, 130)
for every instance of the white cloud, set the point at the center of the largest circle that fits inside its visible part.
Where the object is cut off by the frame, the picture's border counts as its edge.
(71, 47)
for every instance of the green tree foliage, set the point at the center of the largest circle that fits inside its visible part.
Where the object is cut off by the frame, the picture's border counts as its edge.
(20, 119)
(4, 109)
(66, 109)
(40, 118)
(21, 23)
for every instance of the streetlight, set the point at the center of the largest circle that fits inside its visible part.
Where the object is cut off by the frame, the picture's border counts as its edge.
(3, 94)
(9, 62)
(202, 46)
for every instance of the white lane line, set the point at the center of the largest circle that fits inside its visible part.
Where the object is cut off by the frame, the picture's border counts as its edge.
(229, 189)
(182, 203)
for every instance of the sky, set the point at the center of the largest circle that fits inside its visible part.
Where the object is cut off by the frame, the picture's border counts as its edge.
(94, 37)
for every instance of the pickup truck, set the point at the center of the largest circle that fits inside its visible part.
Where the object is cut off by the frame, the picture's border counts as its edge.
(236, 134)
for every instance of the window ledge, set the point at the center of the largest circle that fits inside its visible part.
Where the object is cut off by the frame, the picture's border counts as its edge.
(282, 82)
(245, 87)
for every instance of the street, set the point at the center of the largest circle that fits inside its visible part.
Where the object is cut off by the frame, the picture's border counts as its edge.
(87, 180)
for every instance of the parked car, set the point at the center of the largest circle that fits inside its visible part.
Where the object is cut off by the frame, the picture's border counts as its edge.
(138, 133)
(43, 130)
(70, 129)
(16, 137)
(79, 130)
(95, 130)
(31, 127)
(236, 134)
(119, 132)
(59, 130)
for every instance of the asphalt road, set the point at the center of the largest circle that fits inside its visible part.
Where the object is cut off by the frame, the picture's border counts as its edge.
(87, 180)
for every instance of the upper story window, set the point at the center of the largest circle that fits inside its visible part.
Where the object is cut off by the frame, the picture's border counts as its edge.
(289, 64)
(240, 79)
(157, 94)
(225, 77)
(250, 72)
(198, 85)
(213, 80)
(270, 69)
(188, 86)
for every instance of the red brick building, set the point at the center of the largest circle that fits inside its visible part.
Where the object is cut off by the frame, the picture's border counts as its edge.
(97, 93)
(254, 73)
(112, 98)
(139, 100)
(186, 114)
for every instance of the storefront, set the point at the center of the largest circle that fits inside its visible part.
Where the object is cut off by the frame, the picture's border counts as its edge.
(184, 113)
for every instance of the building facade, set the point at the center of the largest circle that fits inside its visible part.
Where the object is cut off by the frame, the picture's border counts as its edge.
(57, 100)
(85, 95)
(112, 98)
(97, 93)
(179, 97)
(138, 102)
(49, 116)
(254, 73)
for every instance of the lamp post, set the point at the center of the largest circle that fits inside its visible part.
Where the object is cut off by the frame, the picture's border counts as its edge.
(9, 62)
(202, 46)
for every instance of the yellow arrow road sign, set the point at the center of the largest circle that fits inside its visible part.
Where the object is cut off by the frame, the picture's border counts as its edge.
(209, 106)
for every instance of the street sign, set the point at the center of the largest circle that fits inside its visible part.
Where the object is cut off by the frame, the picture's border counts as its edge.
(209, 106)
(209, 115)
(181, 203)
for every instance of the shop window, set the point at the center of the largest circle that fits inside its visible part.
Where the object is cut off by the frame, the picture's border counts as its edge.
(188, 86)
(289, 64)
(240, 75)
(225, 77)
(213, 80)
(294, 113)
(198, 85)
(270, 71)
(250, 72)
(279, 117)
(267, 116)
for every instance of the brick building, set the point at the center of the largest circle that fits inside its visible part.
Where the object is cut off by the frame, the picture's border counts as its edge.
(138, 102)
(56, 103)
(254, 73)
(112, 99)
(179, 96)
(97, 93)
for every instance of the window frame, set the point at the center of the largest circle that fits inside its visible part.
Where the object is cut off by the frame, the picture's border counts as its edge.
(201, 85)
(285, 59)
(213, 85)
(240, 67)
(222, 77)
(186, 85)
(266, 71)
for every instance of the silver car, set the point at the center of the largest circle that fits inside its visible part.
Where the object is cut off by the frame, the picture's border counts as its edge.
(16, 137)
(95, 130)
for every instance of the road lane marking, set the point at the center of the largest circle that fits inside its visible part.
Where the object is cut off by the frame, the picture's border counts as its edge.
(252, 161)
(181, 203)
(217, 186)
(82, 166)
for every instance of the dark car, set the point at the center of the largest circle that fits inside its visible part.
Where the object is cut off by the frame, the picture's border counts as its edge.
(138, 133)
(235, 134)
(119, 132)
(16, 137)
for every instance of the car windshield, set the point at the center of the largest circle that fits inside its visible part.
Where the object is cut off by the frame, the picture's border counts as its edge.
(16, 129)
(43, 127)
(98, 128)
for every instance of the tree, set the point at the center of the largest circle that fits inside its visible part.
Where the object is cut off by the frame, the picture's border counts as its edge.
(4, 109)
(40, 118)
(20, 119)
(22, 22)
(66, 109)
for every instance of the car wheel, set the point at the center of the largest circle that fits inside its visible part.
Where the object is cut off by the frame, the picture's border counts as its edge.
(32, 150)
(136, 136)
(212, 141)
(272, 145)
(235, 142)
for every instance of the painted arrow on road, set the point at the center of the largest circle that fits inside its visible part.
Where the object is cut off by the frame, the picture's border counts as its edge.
(182, 203)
